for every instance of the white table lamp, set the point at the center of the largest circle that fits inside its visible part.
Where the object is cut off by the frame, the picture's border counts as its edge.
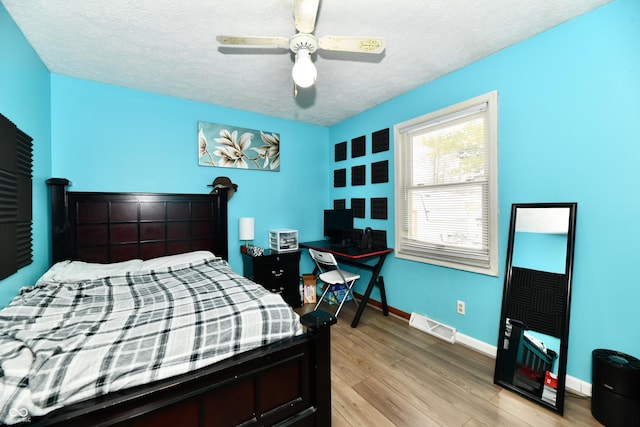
(247, 229)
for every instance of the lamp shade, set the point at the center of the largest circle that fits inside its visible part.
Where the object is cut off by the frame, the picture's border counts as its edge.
(304, 73)
(247, 228)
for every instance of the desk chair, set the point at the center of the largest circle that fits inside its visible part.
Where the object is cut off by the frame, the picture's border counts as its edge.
(331, 274)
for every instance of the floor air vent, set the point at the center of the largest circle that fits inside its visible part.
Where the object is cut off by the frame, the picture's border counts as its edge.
(433, 327)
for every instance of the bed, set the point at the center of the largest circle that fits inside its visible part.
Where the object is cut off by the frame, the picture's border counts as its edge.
(527, 360)
(283, 378)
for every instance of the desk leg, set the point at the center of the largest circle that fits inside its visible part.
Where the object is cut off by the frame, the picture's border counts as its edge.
(383, 296)
(372, 282)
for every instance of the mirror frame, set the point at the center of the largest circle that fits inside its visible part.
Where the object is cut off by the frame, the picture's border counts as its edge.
(564, 318)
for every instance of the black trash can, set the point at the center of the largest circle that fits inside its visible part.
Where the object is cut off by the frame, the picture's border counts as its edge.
(615, 391)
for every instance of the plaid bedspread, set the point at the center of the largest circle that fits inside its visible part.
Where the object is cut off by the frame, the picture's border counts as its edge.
(61, 344)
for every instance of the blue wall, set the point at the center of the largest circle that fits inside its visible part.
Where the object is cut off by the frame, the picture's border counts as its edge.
(568, 113)
(540, 251)
(567, 132)
(25, 98)
(108, 138)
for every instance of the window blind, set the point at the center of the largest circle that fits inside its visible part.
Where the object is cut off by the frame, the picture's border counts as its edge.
(444, 186)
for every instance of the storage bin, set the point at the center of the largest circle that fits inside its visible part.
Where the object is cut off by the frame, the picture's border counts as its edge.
(335, 296)
(283, 240)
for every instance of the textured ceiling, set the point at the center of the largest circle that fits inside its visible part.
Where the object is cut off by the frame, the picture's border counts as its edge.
(169, 46)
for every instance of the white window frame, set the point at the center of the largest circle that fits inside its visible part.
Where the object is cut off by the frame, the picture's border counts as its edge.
(403, 247)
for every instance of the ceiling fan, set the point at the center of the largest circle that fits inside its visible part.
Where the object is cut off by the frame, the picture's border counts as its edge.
(304, 43)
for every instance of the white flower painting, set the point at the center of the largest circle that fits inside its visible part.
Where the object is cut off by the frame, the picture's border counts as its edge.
(233, 147)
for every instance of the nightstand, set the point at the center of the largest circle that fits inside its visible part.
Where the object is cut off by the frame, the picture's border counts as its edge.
(278, 272)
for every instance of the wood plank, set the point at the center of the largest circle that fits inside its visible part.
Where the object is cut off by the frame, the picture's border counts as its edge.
(349, 408)
(385, 372)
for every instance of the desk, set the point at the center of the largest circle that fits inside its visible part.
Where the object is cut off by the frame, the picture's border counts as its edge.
(356, 257)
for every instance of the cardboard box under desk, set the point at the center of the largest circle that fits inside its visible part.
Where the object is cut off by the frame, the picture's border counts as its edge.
(309, 285)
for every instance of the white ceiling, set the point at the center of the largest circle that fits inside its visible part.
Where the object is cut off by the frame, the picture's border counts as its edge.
(169, 46)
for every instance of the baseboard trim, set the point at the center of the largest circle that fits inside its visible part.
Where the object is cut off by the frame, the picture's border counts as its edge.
(477, 345)
(572, 384)
(377, 304)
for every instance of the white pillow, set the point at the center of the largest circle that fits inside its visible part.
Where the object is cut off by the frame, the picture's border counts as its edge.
(175, 260)
(76, 271)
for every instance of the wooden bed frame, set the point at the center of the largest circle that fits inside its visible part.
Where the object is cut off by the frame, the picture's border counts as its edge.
(525, 363)
(284, 383)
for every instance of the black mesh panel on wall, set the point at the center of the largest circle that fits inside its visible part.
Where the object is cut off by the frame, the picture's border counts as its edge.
(341, 151)
(340, 178)
(16, 164)
(380, 172)
(358, 206)
(358, 175)
(379, 208)
(380, 140)
(538, 299)
(358, 146)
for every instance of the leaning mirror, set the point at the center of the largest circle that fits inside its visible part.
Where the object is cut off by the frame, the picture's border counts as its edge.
(534, 323)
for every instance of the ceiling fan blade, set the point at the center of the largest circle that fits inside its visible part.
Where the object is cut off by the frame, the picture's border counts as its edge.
(353, 44)
(254, 41)
(304, 13)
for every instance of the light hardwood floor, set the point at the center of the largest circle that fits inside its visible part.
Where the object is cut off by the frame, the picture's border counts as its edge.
(386, 373)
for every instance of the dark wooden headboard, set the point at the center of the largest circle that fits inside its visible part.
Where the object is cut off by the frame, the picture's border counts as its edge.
(112, 227)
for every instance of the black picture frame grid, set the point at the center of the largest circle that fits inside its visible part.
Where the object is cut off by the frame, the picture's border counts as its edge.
(378, 206)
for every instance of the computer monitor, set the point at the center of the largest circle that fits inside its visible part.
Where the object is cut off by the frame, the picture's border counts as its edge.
(338, 225)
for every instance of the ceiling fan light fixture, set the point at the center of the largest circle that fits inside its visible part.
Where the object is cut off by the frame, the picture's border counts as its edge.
(304, 73)
(303, 44)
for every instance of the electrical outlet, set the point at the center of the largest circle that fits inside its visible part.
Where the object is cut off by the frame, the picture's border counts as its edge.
(461, 307)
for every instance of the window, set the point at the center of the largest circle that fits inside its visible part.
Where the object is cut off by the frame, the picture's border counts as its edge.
(446, 186)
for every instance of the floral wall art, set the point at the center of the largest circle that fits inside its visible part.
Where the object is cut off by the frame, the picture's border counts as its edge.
(234, 147)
